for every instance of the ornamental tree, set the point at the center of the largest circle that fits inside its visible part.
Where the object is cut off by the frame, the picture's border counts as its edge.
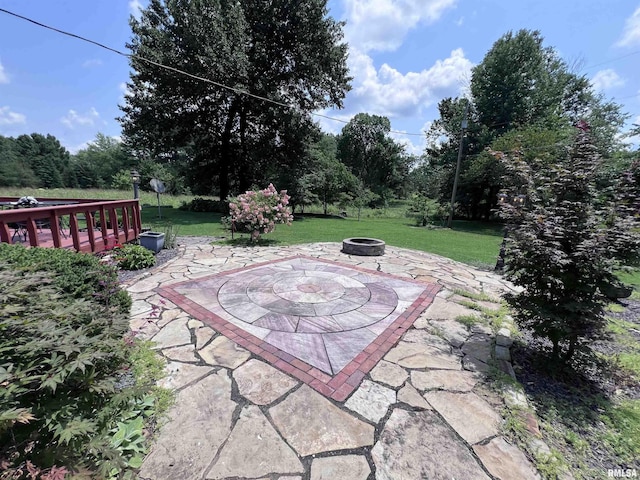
(257, 211)
(561, 250)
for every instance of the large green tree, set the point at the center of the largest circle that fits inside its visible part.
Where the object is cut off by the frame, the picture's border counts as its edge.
(104, 157)
(288, 51)
(521, 86)
(378, 162)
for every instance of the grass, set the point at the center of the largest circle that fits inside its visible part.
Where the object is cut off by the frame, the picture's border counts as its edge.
(462, 243)
(473, 243)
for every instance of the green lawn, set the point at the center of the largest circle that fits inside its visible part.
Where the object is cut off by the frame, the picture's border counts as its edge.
(473, 243)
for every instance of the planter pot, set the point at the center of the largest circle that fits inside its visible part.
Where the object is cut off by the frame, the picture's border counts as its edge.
(153, 241)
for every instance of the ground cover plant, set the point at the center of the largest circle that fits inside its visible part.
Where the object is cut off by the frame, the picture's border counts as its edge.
(73, 397)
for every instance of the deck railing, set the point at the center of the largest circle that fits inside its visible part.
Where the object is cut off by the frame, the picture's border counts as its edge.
(85, 225)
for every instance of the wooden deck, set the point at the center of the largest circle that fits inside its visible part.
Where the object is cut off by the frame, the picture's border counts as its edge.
(85, 226)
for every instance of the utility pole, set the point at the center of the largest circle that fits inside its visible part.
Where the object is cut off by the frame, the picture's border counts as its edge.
(463, 124)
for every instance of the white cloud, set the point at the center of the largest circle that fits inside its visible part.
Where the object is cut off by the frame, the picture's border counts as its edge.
(94, 62)
(135, 6)
(7, 117)
(631, 32)
(606, 79)
(382, 24)
(73, 118)
(4, 78)
(388, 92)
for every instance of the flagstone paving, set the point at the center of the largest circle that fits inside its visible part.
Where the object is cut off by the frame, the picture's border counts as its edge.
(305, 363)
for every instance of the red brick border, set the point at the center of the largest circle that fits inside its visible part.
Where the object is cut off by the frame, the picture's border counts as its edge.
(341, 385)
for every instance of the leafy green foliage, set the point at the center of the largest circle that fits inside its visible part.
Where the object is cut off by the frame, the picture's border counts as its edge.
(561, 251)
(425, 211)
(76, 391)
(530, 110)
(375, 159)
(134, 257)
(78, 275)
(59, 355)
(291, 55)
(199, 204)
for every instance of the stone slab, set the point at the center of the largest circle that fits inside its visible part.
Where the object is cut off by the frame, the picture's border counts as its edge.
(414, 355)
(426, 338)
(503, 337)
(468, 414)
(203, 335)
(173, 334)
(254, 449)
(225, 353)
(199, 422)
(409, 395)
(185, 353)
(389, 374)
(502, 353)
(312, 424)
(443, 309)
(371, 400)
(261, 383)
(453, 332)
(416, 445)
(351, 467)
(455, 381)
(179, 374)
(505, 461)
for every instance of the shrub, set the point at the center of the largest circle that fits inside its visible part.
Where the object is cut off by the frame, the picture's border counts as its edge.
(425, 211)
(58, 361)
(199, 204)
(257, 211)
(78, 274)
(134, 257)
(562, 251)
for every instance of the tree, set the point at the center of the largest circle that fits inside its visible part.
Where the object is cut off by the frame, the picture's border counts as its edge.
(523, 86)
(103, 158)
(14, 168)
(372, 156)
(327, 179)
(287, 51)
(561, 251)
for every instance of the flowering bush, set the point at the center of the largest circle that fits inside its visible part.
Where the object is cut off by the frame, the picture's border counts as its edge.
(258, 211)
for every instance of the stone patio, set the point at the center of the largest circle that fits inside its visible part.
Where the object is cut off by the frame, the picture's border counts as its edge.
(305, 363)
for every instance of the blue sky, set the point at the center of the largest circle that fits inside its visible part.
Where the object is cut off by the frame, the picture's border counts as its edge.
(405, 55)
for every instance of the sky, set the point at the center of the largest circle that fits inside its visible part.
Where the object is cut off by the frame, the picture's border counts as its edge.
(404, 57)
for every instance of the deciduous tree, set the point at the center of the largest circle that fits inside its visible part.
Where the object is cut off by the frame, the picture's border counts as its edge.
(288, 51)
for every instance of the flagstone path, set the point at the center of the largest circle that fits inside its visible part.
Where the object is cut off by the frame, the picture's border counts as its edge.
(302, 362)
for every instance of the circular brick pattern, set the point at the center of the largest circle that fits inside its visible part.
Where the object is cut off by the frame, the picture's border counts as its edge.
(307, 301)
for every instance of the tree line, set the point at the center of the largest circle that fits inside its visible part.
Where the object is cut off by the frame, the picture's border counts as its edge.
(280, 64)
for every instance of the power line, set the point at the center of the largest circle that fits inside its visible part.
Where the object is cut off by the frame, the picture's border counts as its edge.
(612, 60)
(182, 72)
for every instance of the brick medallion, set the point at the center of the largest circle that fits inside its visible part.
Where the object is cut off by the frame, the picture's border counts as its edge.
(322, 322)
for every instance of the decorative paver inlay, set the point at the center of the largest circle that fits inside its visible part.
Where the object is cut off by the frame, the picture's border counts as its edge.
(323, 322)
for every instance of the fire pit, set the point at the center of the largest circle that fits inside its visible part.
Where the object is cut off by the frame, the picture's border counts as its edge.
(363, 246)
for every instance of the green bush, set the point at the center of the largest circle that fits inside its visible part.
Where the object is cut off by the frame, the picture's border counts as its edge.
(134, 257)
(425, 211)
(77, 274)
(199, 204)
(562, 252)
(59, 357)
